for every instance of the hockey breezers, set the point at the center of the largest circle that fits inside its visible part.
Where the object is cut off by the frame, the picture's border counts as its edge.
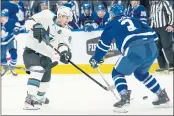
(32, 70)
(104, 87)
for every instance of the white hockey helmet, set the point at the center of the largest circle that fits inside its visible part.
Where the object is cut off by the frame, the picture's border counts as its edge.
(65, 11)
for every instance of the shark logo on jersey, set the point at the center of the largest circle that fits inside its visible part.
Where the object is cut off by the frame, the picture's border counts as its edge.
(91, 46)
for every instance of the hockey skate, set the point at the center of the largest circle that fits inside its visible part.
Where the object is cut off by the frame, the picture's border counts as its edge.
(123, 103)
(4, 69)
(32, 103)
(44, 100)
(162, 100)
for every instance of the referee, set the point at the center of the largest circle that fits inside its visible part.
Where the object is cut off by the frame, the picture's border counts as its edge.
(162, 20)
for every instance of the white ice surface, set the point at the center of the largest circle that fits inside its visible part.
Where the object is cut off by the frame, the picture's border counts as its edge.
(77, 94)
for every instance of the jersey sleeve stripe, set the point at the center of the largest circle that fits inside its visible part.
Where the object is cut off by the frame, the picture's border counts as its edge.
(104, 44)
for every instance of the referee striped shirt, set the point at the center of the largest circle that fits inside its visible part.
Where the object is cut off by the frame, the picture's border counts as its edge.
(162, 14)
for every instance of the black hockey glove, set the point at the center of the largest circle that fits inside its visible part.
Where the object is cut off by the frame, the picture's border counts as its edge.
(65, 57)
(38, 32)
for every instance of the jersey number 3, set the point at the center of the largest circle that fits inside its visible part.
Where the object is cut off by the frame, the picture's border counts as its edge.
(131, 26)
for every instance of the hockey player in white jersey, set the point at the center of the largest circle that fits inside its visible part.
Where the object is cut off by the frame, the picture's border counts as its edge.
(38, 55)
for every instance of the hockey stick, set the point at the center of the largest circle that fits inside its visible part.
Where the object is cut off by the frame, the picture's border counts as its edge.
(48, 43)
(168, 68)
(32, 70)
(111, 87)
(98, 69)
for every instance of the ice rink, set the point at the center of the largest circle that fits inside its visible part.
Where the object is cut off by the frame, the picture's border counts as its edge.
(77, 94)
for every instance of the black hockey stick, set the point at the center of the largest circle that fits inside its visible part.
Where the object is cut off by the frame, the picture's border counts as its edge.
(105, 88)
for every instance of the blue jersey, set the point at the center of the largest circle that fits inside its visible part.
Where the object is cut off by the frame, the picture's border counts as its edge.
(138, 12)
(16, 11)
(124, 30)
(101, 22)
(84, 19)
(7, 31)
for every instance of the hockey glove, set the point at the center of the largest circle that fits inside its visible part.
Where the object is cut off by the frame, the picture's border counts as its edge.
(38, 32)
(101, 61)
(16, 30)
(88, 28)
(93, 62)
(65, 57)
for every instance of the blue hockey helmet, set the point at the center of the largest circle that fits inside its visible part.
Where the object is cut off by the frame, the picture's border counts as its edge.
(44, 2)
(86, 6)
(100, 7)
(5, 13)
(117, 10)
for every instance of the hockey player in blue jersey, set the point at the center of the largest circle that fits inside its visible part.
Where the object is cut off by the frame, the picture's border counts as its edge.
(85, 17)
(135, 41)
(138, 11)
(9, 28)
(16, 10)
(99, 17)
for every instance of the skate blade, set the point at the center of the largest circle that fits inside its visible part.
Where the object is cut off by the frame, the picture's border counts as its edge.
(121, 109)
(166, 105)
(31, 108)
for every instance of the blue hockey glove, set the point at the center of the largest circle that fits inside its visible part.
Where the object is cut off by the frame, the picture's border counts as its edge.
(93, 62)
(101, 61)
(16, 30)
(88, 28)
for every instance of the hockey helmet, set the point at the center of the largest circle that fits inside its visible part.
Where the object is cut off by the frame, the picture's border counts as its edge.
(65, 11)
(100, 7)
(86, 6)
(5, 13)
(117, 10)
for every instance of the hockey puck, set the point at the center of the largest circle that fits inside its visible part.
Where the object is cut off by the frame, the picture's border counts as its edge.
(145, 97)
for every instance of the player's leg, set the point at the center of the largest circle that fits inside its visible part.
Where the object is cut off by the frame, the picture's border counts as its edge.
(32, 61)
(44, 84)
(124, 66)
(142, 74)
(3, 59)
(12, 46)
(133, 57)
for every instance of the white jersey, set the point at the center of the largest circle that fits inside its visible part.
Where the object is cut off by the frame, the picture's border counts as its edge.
(57, 33)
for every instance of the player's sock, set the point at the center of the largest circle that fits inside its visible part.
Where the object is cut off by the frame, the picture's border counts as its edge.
(34, 83)
(42, 91)
(119, 82)
(150, 82)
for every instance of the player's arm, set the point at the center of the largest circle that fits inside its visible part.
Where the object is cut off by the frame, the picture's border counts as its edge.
(103, 45)
(169, 11)
(62, 42)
